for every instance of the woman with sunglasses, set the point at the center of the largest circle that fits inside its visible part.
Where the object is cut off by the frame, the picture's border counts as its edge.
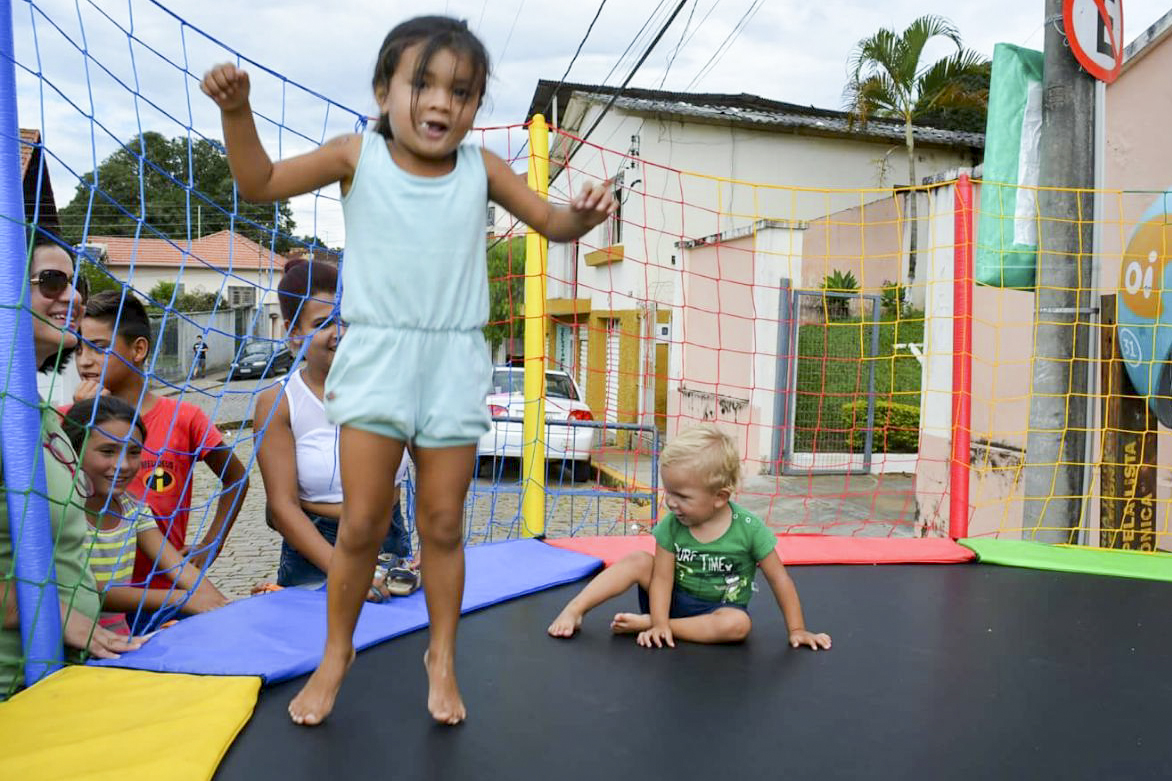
(55, 304)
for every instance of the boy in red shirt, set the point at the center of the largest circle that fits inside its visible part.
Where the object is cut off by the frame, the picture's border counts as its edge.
(116, 340)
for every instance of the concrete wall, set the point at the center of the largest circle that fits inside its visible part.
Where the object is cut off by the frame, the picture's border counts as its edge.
(865, 240)
(724, 343)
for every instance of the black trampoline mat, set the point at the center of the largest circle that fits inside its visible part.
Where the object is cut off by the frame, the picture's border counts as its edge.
(950, 672)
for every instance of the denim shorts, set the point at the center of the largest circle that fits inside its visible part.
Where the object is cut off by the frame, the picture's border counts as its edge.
(296, 570)
(684, 605)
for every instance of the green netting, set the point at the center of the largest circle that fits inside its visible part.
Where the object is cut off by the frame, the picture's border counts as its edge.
(1070, 558)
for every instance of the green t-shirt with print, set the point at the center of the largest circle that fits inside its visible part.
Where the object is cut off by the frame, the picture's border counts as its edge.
(721, 570)
(69, 529)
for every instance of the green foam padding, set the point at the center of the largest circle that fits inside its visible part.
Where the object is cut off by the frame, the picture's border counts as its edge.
(1072, 558)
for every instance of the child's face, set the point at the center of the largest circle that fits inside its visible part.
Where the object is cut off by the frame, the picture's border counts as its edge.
(101, 347)
(688, 495)
(112, 457)
(430, 118)
(317, 322)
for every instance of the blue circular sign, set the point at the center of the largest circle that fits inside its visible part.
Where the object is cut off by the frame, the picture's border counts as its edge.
(1145, 308)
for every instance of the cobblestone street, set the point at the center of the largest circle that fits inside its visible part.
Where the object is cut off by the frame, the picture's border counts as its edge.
(252, 551)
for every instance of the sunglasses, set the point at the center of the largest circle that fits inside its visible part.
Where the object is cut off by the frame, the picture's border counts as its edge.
(59, 447)
(53, 282)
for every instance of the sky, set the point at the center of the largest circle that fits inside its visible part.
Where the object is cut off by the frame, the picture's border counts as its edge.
(785, 50)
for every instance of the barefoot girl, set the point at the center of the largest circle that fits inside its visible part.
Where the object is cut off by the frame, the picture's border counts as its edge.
(414, 366)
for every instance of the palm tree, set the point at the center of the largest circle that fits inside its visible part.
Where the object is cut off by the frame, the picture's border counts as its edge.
(887, 80)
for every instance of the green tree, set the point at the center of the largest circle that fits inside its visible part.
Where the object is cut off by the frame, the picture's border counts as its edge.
(887, 80)
(147, 180)
(198, 300)
(506, 290)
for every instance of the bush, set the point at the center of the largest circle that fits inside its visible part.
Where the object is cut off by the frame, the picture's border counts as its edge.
(893, 299)
(897, 426)
(199, 300)
(838, 282)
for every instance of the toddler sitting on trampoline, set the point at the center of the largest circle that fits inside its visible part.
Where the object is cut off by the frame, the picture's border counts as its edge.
(698, 584)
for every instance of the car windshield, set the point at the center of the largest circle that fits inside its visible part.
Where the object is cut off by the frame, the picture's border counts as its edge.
(256, 349)
(557, 386)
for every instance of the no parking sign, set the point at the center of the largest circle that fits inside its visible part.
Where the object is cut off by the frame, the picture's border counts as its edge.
(1095, 31)
(1145, 307)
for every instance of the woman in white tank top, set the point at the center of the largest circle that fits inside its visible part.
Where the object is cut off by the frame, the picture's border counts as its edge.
(298, 446)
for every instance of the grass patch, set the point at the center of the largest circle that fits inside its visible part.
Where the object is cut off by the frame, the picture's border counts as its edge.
(834, 364)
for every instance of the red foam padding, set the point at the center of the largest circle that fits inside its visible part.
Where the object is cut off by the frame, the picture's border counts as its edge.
(800, 549)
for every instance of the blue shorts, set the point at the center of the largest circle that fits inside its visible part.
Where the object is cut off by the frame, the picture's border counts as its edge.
(296, 570)
(684, 605)
(413, 385)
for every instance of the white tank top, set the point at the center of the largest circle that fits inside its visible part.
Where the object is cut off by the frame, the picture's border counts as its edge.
(316, 445)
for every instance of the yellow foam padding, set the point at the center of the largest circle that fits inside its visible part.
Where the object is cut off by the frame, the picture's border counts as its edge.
(99, 723)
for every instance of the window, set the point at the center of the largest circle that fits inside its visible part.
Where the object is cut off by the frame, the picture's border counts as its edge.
(612, 232)
(490, 223)
(557, 386)
(241, 295)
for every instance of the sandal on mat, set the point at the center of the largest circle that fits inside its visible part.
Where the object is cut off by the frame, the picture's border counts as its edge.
(401, 581)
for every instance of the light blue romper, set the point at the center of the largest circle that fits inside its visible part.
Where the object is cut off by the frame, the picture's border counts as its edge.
(414, 365)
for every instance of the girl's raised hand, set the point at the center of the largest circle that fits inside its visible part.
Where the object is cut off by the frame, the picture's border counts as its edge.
(595, 203)
(227, 85)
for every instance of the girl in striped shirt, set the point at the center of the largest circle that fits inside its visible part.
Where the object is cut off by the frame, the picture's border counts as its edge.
(108, 434)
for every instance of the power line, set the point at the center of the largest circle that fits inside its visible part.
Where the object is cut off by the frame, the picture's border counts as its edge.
(634, 41)
(679, 45)
(509, 38)
(615, 95)
(727, 43)
(647, 52)
(573, 59)
(707, 14)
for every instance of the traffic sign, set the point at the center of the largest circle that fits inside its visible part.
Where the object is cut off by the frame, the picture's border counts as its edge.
(1145, 307)
(1095, 31)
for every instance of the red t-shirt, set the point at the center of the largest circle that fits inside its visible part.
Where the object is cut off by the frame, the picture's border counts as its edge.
(178, 435)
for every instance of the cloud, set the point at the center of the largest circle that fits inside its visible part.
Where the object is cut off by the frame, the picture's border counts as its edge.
(791, 51)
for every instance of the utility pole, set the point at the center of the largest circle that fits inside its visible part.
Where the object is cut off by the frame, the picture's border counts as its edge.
(1056, 442)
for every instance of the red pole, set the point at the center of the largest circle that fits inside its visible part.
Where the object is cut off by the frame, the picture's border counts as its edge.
(962, 359)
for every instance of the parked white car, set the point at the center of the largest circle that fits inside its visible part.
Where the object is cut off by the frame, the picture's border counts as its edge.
(563, 405)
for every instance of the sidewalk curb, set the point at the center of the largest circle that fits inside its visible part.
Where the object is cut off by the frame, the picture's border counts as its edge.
(608, 475)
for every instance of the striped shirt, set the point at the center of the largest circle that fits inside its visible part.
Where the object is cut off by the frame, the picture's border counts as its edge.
(111, 551)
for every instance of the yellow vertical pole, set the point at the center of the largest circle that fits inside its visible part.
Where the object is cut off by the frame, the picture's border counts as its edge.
(533, 429)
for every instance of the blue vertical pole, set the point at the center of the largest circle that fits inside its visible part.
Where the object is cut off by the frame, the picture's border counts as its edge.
(20, 434)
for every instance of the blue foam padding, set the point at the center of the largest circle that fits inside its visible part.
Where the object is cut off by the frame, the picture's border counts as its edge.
(280, 635)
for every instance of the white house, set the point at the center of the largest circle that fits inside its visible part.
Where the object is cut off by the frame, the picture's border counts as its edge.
(694, 170)
(242, 272)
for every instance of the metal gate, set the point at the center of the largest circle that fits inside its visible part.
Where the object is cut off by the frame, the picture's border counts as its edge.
(828, 347)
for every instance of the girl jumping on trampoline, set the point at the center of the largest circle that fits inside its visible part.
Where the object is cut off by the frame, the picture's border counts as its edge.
(414, 366)
(697, 585)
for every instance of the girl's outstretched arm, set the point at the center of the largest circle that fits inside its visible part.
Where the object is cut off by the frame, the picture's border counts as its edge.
(257, 177)
(557, 223)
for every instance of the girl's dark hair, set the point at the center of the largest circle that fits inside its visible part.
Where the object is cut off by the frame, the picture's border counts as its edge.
(77, 420)
(41, 236)
(303, 279)
(435, 33)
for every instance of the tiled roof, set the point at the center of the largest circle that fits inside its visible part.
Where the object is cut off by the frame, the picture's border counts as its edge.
(742, 109)
(29, 139)
(224, 250)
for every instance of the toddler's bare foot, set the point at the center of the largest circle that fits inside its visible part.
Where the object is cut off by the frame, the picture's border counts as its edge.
(566, 624)
(630, 623)
(316, 699)
(443, 695)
